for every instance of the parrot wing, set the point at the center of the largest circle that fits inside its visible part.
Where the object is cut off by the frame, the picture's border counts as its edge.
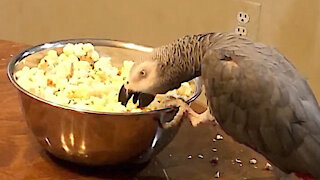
(258, 97)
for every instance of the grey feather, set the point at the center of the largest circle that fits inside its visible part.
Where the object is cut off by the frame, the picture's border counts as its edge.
(283, 116)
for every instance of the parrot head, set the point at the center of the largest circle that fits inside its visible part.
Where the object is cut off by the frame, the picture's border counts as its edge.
(149, 77)
(161, 71)
(141, 84)
(143, 78)
(146, 79)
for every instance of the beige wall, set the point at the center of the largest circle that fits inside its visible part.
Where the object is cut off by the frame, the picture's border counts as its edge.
(293, 26)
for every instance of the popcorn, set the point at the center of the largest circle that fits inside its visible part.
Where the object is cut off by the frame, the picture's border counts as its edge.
(68, 49)
(82, 65)
(104, 65)
(78, 51)
(20, 73)
(88, 47)
(71, 58)
(62, 57)
(125, 70)
(95, 55)
(80, 78)
(52, 54)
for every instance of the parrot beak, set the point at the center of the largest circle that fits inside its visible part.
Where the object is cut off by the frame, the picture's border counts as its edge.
(124, 95)
(143, 98)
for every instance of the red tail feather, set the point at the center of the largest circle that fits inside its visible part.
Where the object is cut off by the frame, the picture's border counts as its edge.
(304, 176)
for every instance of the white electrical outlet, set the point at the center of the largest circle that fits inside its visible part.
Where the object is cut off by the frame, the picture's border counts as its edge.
(242, 31)
(247, 18)
(243, 17)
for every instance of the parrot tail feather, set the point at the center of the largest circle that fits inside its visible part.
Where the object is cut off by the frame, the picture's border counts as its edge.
(304, 176)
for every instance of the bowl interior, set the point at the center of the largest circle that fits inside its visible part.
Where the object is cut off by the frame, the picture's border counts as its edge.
(118, 51)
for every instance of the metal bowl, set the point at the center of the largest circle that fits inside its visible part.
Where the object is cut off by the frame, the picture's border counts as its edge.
(89, 137)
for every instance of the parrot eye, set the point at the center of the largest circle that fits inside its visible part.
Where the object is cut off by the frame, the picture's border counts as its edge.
(142, 73)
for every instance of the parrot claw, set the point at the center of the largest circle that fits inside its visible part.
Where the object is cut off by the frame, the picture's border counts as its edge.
(183, 106)
(196, 118)
(194, 122)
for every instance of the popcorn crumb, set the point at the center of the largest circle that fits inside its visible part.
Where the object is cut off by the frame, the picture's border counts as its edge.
(200, 156)
(217, 175)
(268, 167)
(190, 157)
(219, 137)
(238, 160)
(253, 161)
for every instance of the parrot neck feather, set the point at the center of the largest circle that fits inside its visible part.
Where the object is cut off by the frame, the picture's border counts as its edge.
(182, 58)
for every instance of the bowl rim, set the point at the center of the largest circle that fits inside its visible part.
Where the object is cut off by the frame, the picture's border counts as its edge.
(95, 42)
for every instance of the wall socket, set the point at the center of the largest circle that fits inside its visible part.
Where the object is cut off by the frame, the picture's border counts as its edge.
(248, 19)
(242, 31)
(243, 17)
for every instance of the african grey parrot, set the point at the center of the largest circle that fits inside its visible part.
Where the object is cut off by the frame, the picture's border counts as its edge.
(253, 92)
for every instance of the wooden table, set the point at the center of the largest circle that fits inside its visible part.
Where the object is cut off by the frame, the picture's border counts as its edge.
(22, 158)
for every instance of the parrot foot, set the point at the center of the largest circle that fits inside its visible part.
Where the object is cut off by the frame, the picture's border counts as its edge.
(196, 118)
(183, 107)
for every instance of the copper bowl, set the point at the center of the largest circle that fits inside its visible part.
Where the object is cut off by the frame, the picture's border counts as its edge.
(89, 137)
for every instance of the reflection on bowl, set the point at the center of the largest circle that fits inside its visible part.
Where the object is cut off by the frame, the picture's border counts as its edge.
(89, 137)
